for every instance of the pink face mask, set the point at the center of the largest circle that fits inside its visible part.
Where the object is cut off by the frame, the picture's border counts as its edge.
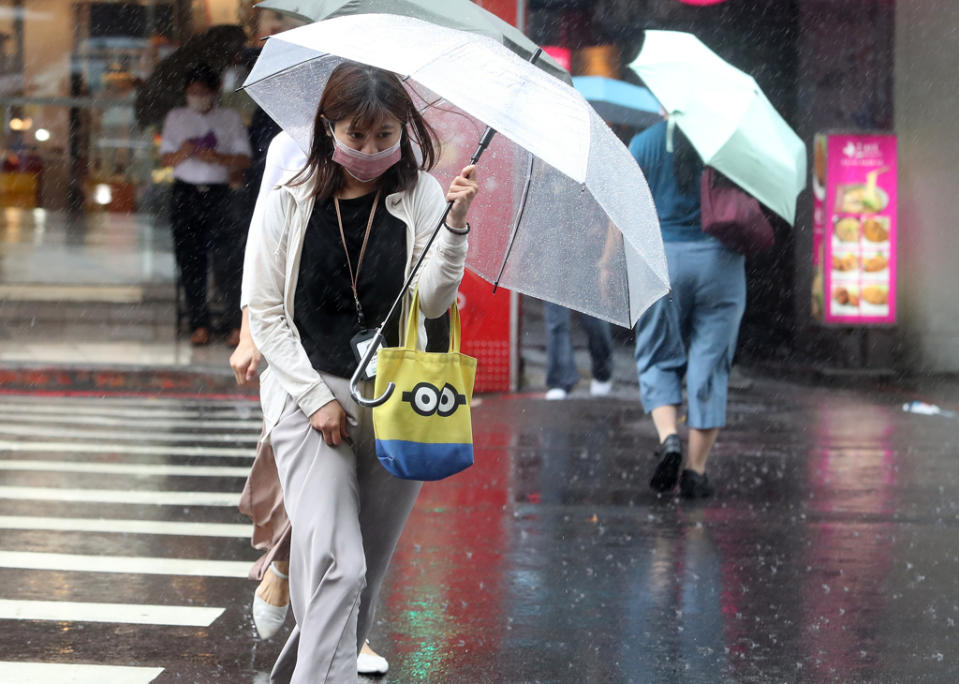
(365, 167)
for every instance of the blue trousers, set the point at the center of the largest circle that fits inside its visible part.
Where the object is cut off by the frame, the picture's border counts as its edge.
(692, 332)
(560, 362)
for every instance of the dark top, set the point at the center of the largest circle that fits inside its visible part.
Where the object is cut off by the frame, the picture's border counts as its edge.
(323, 308)
(679, 214)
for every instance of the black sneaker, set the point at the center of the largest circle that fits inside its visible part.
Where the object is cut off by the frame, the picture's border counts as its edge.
(670, 455)
(692, 485)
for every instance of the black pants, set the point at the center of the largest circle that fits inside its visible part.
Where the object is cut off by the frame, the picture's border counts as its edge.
(205, 229)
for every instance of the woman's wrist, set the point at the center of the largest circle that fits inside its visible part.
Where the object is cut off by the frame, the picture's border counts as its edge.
(457, 230)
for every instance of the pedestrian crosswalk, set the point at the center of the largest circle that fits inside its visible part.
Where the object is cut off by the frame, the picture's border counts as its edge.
(119, 514)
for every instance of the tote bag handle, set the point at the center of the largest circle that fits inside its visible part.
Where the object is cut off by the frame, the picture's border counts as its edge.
(412, 325)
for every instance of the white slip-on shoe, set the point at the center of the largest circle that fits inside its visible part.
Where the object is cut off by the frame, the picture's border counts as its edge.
(555, 393)
(267, 617)
(370, 663)
(600, 388)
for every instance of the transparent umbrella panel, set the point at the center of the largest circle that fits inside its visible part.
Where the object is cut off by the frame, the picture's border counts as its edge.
(586, 237)
(463, 15)
(541, 233)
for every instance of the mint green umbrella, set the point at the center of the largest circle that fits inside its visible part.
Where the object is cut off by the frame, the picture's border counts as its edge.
(726, 117)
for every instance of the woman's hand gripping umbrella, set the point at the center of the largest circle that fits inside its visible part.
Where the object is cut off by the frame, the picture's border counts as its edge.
(556, 171)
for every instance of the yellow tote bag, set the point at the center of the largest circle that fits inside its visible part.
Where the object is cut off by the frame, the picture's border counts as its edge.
(423, 430)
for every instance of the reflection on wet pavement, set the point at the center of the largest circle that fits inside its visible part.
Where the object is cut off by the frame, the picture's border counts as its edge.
(99, 248)
(828, 554)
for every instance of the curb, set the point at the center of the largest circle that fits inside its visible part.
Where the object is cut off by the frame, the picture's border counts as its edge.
(99, 380)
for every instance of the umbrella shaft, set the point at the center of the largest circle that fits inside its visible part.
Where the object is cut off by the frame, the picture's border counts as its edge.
(483, 144)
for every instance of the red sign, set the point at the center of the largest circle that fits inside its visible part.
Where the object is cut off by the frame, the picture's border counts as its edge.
(563, 56)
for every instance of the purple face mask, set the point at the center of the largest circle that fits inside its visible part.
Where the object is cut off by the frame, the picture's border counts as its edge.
(365, 167)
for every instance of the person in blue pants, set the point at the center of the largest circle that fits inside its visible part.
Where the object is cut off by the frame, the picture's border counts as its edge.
(691, 332)
(561, 373)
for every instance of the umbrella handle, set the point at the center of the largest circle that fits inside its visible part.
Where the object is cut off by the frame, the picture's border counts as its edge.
(361, 371)
(378, 338)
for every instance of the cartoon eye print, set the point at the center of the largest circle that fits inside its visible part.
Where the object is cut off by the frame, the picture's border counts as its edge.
(426, 399)
(450, 400)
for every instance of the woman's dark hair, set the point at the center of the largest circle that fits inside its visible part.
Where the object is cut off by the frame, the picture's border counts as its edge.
(687, 164)
(367, 93)
(203, 74)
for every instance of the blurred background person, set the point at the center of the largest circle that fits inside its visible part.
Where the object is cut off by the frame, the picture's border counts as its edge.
(205, 144)
(561, 373)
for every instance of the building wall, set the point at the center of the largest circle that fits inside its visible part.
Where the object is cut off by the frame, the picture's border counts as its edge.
(843, 83)
(927, 102)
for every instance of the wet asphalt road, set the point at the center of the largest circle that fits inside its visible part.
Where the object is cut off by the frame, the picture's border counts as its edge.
(830, 552)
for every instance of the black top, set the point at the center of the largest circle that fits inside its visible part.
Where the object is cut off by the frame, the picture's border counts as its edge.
(324, 311)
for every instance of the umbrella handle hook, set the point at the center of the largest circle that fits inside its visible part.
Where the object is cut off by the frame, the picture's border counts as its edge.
(378, 338)
(361, 372)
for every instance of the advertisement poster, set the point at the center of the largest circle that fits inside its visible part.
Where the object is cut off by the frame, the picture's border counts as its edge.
(854, 229)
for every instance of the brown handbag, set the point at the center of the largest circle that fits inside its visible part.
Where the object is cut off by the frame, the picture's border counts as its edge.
(732, 216)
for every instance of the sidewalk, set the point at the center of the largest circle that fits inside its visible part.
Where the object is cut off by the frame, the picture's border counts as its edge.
(95, 290)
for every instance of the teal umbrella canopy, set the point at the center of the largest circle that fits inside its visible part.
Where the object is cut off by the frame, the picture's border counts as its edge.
(462, 15)
(726, 117)
(619, 102)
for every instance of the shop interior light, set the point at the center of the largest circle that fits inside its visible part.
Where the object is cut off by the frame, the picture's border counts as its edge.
(18, 124)
(102, 194)
(42, 134)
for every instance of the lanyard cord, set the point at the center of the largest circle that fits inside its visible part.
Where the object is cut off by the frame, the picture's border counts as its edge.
(355, 278)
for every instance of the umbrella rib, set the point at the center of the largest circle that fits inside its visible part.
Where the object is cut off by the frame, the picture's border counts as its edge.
(519, 218)
(273, 74)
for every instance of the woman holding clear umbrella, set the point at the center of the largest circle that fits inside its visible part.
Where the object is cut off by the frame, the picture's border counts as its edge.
(693, 331)
(340, 239)
(262, 498)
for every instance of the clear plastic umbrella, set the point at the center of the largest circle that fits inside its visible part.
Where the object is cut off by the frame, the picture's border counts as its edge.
(564, 213)
(464, 15)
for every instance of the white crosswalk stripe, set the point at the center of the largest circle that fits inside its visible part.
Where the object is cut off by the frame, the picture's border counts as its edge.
(121, 613)
(102, 448)
(67, 562)
(121, 496)
(153, 472)
(13, 417)
(118, 526)
(141, 469)
(81, 673)
(57, 430)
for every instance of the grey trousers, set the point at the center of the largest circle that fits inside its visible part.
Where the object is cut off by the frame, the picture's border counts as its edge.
(347, 514)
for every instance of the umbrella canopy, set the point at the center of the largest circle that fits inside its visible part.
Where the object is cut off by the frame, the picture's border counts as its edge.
(562, 204)
(619, 102)
(464, 15)
(163, 90)
(726, 117)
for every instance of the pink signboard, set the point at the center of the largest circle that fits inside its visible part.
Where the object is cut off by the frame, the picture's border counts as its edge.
(854, 229)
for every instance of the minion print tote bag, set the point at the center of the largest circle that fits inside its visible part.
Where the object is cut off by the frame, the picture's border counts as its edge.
(423, 430)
